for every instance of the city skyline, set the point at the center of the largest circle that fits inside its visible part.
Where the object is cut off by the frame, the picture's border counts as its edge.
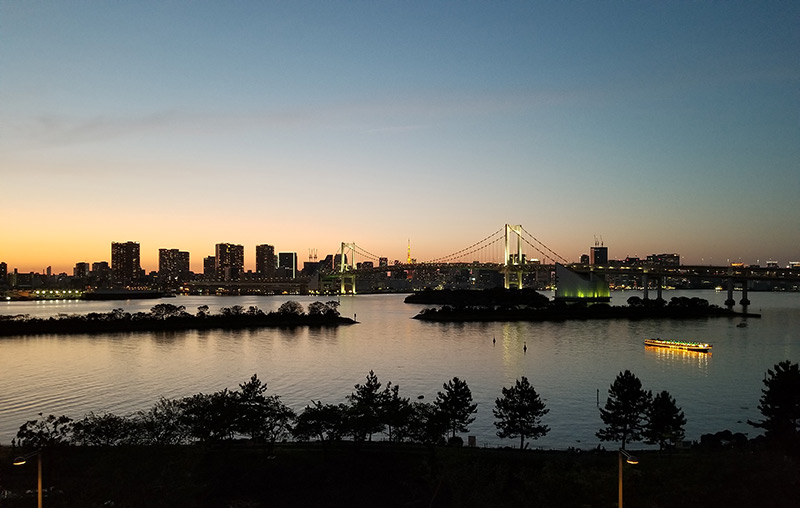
(660, 127)
(265, 260)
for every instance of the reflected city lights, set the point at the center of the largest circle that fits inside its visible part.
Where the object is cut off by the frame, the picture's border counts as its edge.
(679, 355)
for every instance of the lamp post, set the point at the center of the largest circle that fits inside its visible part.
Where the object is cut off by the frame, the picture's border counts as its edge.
(630, 459)
(24, 459)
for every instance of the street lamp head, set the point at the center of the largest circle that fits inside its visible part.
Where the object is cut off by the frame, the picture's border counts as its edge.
(20, 461)
(630, 459)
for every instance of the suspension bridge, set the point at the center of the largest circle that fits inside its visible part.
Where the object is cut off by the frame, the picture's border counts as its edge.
(511, 250)
(514, 252)
(511, 256)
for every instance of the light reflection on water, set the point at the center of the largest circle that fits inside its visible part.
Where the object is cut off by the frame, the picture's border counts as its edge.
(570, 363)
(692, 359)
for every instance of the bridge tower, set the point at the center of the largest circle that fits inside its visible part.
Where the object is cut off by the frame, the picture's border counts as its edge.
(512, 270)
(347, 270)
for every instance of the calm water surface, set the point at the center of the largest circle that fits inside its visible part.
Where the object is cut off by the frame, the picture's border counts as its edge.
(567, 362)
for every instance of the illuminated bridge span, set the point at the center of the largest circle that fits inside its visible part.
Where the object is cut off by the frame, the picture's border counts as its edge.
(514, 251)
(511, 249)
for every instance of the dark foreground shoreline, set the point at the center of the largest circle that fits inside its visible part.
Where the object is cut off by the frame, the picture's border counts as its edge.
(347, 474)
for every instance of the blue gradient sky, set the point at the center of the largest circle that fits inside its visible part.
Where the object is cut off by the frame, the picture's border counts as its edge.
(662, 126)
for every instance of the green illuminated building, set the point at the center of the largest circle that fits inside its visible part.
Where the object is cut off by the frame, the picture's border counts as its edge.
(580, 287)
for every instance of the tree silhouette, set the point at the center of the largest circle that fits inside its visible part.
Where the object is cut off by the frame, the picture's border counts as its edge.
(396, 412)
(291, 307)
(316, 308)
(625, 411)
(166, 310)
(162, 424)
(105, 429)
(260, 416)
(326, 422)
(210, 417)
(426, 424)
(780, 403)
(665, 421)
(44, 432)
(367, 404)
(455, 404)
(329, 309)
(519, 412)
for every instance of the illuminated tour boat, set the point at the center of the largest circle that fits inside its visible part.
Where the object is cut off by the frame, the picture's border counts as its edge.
(697, 347)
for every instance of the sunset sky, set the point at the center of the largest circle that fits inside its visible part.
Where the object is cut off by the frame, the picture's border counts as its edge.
(660, 126)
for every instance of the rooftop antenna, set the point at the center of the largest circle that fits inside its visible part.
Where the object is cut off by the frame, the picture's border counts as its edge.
(601, 240)
(595, 241)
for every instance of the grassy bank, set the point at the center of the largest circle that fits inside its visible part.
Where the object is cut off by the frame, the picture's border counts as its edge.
(382, 475)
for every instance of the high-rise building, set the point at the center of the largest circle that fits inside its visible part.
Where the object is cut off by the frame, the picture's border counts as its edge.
(101, 273)
(209, 267)
(337, 261)
(598, 255)
(100, 267)
(173, 264)
(125, 266)
(229, 261)
(265, 260)
(288, 262)
(81, 270)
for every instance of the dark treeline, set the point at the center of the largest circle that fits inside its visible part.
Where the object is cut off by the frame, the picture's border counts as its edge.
(165, 316)
(252, 414)
(331, 464)
(637, 308)
(630, 414)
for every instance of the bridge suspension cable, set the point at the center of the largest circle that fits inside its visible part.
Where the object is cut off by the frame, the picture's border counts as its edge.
(359, 250)
(554, 256)
(482, 247)
(469, 250)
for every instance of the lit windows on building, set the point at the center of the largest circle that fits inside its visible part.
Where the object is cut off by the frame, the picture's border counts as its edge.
(265, 260)
(287, 262)
(173, 264)
(125, 265)
(229, 261)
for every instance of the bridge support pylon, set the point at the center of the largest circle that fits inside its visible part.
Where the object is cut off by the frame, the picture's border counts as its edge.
(730, 302)
(347, 274)
(646, 278)
(744, 301)
(512, 271)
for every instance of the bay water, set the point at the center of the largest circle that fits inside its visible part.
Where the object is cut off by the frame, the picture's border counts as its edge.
(571, 364)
